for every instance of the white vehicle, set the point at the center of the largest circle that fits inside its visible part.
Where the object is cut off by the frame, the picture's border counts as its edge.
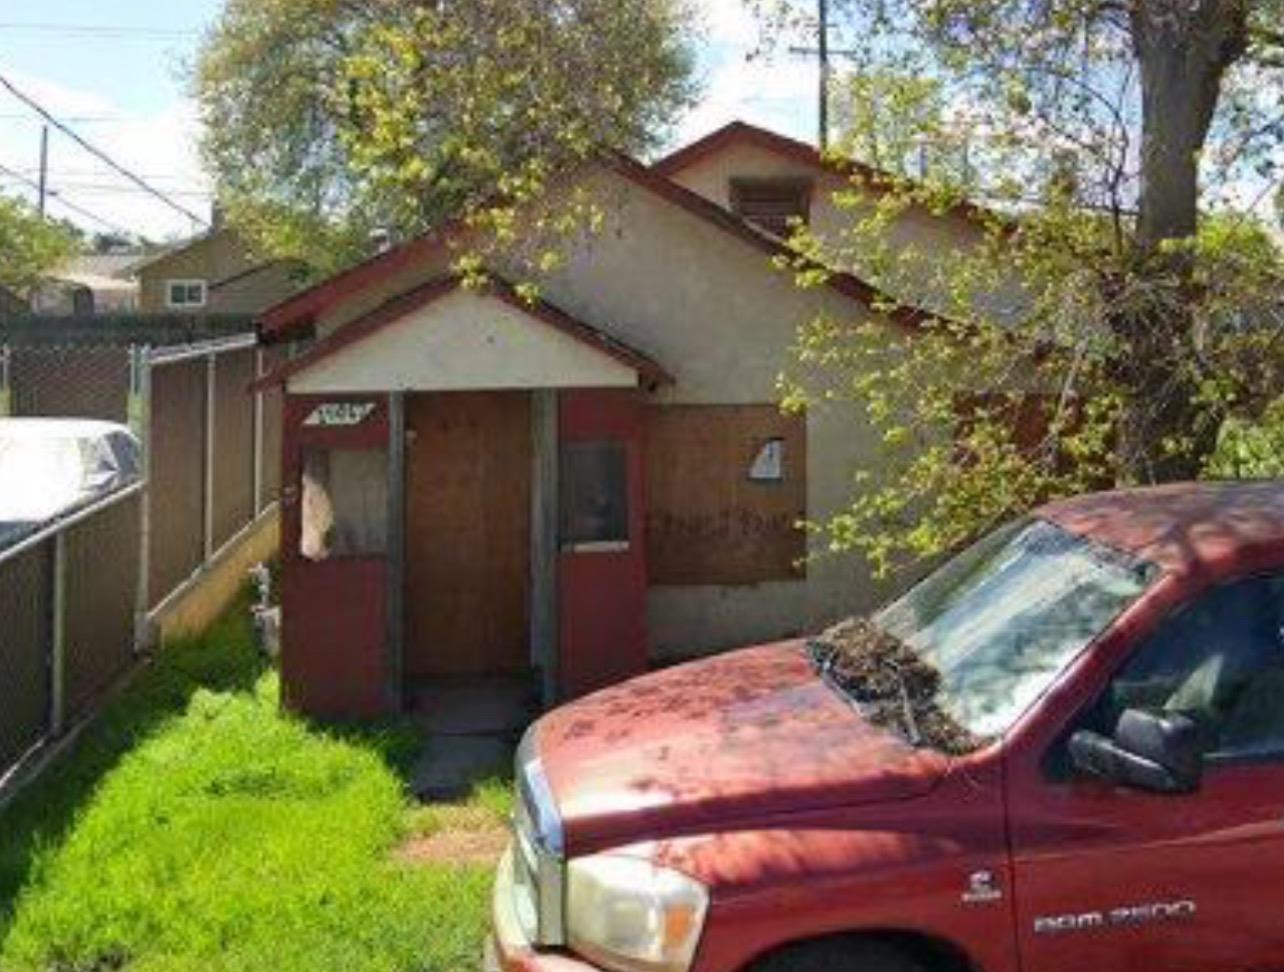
(52, 467)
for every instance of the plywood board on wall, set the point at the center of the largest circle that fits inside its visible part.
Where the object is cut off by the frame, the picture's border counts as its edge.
(708, 520)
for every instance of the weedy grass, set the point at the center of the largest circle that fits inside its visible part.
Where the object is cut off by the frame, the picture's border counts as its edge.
(195, 826)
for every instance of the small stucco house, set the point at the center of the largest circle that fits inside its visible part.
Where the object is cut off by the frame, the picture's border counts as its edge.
(575, 488)
(213, 273)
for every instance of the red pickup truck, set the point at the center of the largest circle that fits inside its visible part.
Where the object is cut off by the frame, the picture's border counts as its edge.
(1119, 660)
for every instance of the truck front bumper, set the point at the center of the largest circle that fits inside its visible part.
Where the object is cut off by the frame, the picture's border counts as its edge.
(508, 949)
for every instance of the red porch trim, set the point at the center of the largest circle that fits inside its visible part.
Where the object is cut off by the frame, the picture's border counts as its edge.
(394, 309)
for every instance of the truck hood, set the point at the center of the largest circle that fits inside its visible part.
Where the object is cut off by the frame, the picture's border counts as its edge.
(733, 739)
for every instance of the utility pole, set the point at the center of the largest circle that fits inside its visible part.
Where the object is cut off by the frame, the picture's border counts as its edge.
(44, 168)
(822, 51)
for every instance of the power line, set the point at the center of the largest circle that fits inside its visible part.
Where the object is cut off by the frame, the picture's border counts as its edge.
(105, 189)
(65, 203)
(70, 119)
(101, 30)
(99, 153)
(55, 172)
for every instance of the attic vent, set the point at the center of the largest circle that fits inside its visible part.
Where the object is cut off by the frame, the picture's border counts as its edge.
(772, 204)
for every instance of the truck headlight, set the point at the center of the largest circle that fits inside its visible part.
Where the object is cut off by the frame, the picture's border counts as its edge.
(630, 915)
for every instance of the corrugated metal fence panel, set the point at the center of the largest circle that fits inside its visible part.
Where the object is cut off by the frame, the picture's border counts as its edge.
(177, 475)
(233, 444)
(25, 618)
(70, 382)
(272, 419)
(101, 562)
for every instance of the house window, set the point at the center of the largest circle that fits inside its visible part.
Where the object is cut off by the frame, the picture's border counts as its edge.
(185, 294)
(726, 494)
(344, 503)
(594, 488)
(772, 204)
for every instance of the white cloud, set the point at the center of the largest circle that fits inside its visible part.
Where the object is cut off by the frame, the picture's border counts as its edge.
(159, 146)
(777, 91)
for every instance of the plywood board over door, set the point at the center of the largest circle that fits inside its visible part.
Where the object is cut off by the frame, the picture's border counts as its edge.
(468, 469)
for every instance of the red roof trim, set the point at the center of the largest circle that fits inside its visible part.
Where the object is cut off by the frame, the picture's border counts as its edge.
(742, 132)
(303, 307)
(803, 152)
(412, 300)
(846, 284)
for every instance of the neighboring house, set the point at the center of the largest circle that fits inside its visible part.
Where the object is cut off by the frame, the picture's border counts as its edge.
(586, 485)
(213, 273)
(95, 283)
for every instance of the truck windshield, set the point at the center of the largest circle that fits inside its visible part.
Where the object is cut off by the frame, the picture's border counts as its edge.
(1001, 620)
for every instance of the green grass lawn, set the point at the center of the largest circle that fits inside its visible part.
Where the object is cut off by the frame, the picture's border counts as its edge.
(195, 827)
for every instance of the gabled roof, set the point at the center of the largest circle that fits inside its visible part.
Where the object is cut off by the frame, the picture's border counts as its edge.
(303, 307)
(412, 300)
(742, 133)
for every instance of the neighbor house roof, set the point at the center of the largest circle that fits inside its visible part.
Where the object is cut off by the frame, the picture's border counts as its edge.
(171, 250)
(303, 307)
(396, 308)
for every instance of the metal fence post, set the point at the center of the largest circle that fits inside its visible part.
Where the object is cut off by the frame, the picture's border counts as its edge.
(142, 414)
(258, 436)
(211, 396)
(396, 548)
(4, 381)
(58, 639)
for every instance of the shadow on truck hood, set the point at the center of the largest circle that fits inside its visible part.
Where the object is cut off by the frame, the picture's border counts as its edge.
(741, 737)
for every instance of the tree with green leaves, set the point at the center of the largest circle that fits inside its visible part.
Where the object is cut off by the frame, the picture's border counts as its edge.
(329, 120)
(1120, 312)
(30, 245)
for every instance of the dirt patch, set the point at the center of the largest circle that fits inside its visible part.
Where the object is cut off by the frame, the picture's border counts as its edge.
(464, 847)
(894, 687)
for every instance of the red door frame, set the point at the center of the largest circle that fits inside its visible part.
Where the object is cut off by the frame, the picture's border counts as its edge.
(334, 654)
(602, 593)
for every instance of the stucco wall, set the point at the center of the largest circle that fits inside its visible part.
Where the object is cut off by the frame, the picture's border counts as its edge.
(929, 234)
(464, 341)
(715, 313)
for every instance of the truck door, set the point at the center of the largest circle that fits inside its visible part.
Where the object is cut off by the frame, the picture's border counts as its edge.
(1112, 878)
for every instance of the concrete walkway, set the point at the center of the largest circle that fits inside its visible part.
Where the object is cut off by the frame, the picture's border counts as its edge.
(471, 727)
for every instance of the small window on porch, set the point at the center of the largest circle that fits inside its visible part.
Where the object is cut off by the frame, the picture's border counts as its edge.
(344, 503)
(594, 488)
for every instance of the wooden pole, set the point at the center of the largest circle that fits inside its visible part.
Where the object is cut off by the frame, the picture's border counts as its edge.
(823, 48)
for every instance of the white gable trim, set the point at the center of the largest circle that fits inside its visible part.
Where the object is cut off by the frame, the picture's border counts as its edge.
(463, 341)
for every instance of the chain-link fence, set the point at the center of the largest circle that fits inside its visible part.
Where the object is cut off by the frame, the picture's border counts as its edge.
(67, 600)
(69, 382)
(75, 598)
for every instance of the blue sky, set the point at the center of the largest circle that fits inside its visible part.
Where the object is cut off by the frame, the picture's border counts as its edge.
(123, 89)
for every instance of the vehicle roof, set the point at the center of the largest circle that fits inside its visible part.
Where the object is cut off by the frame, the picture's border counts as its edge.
(12, 428)
(1222, 527)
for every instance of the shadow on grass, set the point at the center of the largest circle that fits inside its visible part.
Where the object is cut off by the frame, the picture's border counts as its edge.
(222, 660)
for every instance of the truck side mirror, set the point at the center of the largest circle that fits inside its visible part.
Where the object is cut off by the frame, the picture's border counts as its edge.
(1162, 752)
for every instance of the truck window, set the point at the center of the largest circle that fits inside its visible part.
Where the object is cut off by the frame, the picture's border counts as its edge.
(1002, 620)
(1220, 661)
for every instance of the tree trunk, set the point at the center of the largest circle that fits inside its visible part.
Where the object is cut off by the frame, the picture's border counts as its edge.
(1183, 50)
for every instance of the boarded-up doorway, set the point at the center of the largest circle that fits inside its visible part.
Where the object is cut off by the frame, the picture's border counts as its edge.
(468, 469)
